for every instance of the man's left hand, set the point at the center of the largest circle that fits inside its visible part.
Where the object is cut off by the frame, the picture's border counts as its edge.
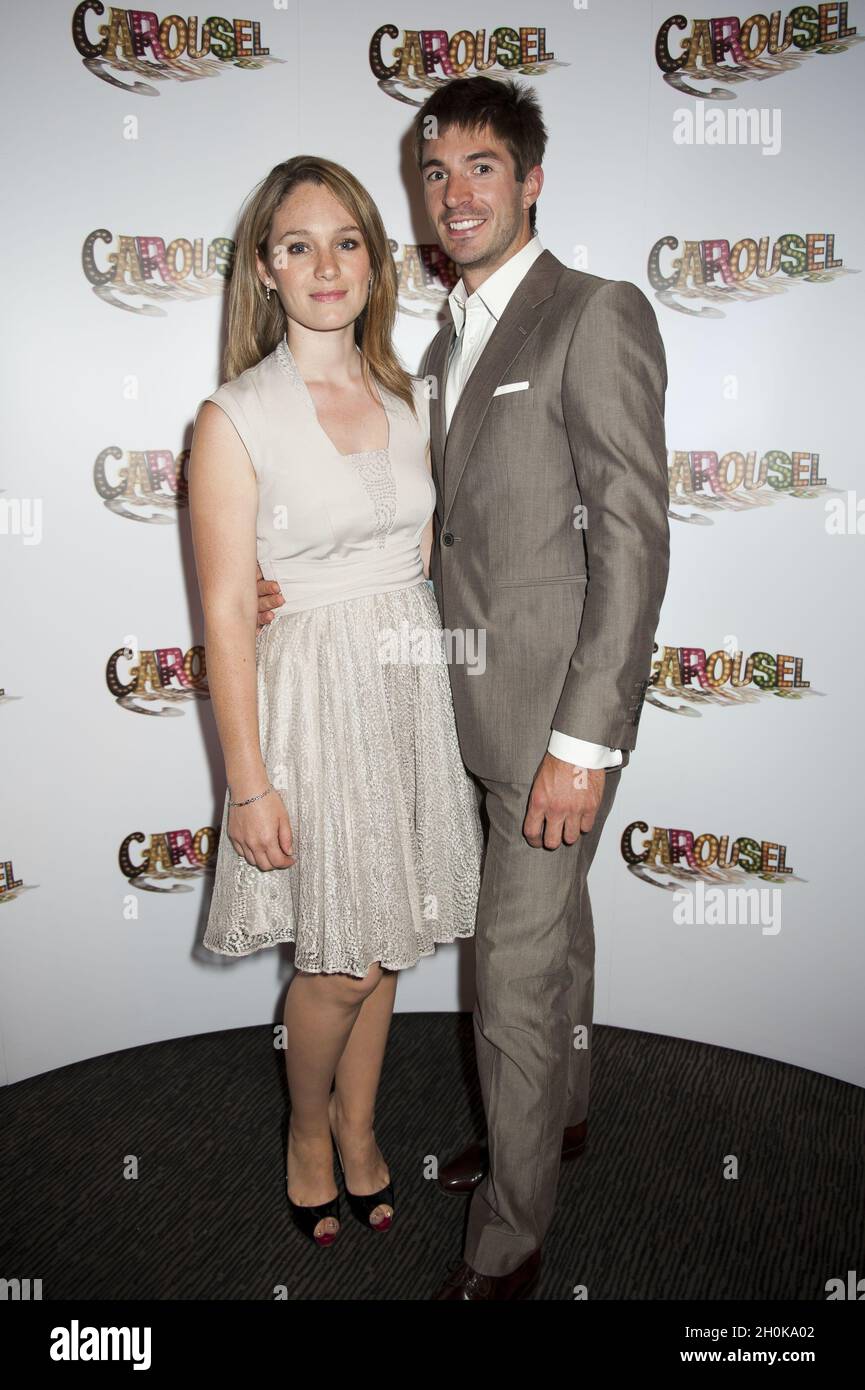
(563, 803)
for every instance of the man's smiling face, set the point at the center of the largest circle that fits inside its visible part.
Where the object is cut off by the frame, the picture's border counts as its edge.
(477, 207)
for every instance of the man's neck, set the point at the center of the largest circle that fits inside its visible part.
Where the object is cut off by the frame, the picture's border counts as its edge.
(474, 276)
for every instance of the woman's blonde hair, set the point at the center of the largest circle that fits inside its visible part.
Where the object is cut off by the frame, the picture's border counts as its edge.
(256, 324)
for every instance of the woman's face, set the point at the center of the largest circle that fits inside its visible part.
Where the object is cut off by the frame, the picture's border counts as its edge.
(318, 260)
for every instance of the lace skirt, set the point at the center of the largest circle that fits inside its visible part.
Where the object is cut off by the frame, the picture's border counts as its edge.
(358, 737)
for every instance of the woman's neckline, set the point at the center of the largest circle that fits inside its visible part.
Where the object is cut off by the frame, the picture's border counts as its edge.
(286, 360)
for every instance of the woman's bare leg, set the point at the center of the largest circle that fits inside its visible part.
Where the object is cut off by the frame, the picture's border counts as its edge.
(321, 1012)
(352, 1105)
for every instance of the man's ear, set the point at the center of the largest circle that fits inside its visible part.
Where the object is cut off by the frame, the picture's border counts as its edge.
(533, 183)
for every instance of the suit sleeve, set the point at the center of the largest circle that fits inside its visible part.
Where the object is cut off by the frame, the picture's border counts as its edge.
(613, 402)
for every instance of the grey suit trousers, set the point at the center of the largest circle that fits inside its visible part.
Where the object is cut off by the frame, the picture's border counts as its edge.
(535, 956)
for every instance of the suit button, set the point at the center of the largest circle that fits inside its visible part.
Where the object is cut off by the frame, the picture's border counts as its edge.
(447, 538)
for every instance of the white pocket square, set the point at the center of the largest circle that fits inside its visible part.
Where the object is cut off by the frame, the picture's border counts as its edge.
(511, 386)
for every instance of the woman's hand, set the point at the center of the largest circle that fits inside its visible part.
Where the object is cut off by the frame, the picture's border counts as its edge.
(261, 832)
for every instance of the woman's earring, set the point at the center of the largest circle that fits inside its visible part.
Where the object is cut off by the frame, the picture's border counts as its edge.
(268, 294)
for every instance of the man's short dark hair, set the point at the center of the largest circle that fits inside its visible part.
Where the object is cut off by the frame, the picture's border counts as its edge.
(509, 108)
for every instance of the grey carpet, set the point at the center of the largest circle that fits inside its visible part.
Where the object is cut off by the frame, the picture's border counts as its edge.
(645, 1213)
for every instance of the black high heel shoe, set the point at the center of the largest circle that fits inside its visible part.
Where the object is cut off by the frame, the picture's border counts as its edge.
(307, 1218)
(364, 1204)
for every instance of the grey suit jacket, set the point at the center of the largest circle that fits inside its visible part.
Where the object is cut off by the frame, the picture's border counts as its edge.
(568, 601)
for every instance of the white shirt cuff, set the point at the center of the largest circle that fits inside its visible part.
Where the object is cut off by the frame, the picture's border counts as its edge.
(581, 753)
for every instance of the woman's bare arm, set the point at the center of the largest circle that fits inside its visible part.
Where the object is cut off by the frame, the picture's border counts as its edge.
(223, 500)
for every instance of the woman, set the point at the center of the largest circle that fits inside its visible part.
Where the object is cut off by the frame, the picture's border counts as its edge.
(350, 826)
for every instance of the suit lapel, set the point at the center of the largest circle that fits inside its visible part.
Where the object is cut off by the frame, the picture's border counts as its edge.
(451, 449)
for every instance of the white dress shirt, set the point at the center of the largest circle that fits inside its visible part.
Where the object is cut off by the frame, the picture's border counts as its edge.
(474, 318)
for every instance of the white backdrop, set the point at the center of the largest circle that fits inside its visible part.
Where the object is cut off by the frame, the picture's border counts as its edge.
(94, 563)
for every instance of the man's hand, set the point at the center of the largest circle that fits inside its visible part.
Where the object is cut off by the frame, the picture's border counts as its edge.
(269, 597)
(566, 798)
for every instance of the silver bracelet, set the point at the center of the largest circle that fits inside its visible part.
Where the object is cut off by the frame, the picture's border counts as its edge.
(249, 799)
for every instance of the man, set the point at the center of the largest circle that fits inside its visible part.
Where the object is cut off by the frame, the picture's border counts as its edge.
(551, 536)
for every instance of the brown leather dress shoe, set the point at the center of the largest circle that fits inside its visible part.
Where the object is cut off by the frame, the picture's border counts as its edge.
(464, 1172)
(468, 1285)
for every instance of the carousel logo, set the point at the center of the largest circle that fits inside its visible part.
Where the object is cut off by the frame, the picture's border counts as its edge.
(425, 278)
(716, 271)
(670, 857)
(156, 682)
(10, 886)
(137, 42)
(143, 267)
(149, 486)
(169, 855)
(732, 50)
(686, 678)
(408, 71)
(702, 479)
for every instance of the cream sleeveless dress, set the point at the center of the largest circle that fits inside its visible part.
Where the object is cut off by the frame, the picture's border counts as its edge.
(354, 704)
